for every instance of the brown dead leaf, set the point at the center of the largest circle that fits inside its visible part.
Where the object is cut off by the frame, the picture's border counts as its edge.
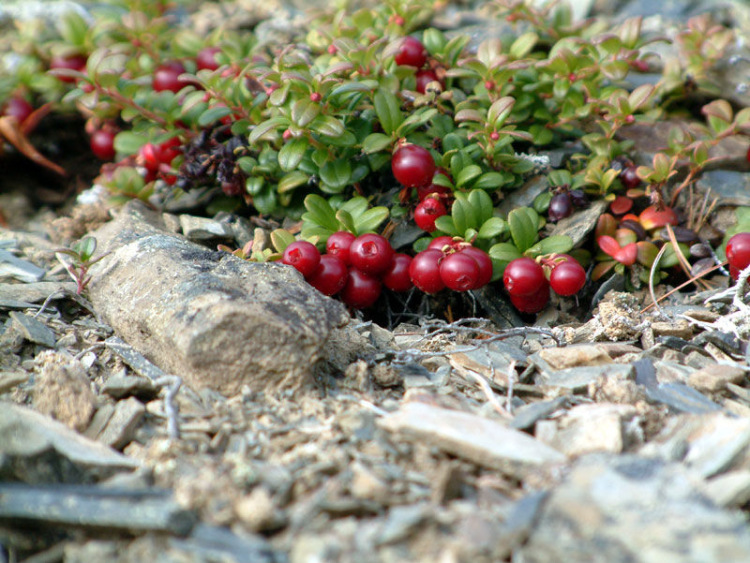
(11, 131)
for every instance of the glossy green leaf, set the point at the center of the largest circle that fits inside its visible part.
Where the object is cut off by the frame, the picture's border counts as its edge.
(335, 176)
(375, 142)
(557, 244)
(489, 181)
(467, 174)
(327, 125)
(281, 238)
(493, 227)
(445, 225)
(292, 180)
(320, 212)
(213, 114)
(291, 154)
(370, 220)
(523, 223)
(482, 204)
(388, 110)
(269, 125)
(127, 142)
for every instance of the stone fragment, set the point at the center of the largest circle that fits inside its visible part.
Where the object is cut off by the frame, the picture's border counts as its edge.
(33, 292)
(717, 444)
(121, 426)
(528, 415)
(218, 321)
(592, 428)
(715, 377)
(402, 522)
(492, 361)
(731, 489)
(629, 509)
(37, 449)
(581, 223)
(258, 512)
(579, 379)
(99, 421)
(678, 328)
(203, 228)
(22, 270)
(34, 330)
(120, 385)
(730, 187)
(11, 379)
(367, 485)
(63, 390)
(480, 440)
(573, 356)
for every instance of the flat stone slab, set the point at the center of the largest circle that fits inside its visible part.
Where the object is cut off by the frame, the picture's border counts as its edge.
(480, 440)
(207, 316)
(37, 449)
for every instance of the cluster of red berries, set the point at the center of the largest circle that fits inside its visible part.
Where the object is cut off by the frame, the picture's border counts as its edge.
(411, 52)
(354, 268)
(456, 265)
(414, 167)
(738, 254)
(528, 282)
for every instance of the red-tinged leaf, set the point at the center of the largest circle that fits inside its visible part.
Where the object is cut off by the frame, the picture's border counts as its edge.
(608, 245)
(606, 225)
(647, 252)
(625, 236)
(621, 205)
(651, 218)
(627, 255)
(10, 130)
(630, 217)
(602, 268)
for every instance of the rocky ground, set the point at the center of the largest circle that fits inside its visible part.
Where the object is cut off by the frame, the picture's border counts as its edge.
(197, 407)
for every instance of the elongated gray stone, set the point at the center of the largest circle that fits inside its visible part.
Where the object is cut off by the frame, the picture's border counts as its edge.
(480, 440)
(210, 317)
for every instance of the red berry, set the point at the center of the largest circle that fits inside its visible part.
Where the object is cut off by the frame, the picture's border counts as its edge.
(361, 290)
(167, 77)
(303, 256)
(459, 272)
(734, 273)
(629, 178)
(560, 207)
(102, 144)
(424, 271)
(315, 97)
(567, 278)
(411, 53)
(427, 212)
(396, 278)
(532, 303)
(424, 191)
(68, 62)
(17, 107)
(424, 77)
(438, 243)
(206, 58)
(330, 276)
(371, 253)
(483, 261)
(413, 166)
(738, 251)
(151, 156)
(338, 245)
(169, 150)
(523, 276)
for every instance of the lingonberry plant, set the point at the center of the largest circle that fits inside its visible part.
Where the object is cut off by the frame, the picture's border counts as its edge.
(372, 119)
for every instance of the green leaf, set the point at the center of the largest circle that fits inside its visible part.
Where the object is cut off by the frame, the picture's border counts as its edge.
(335, 175)
(523, 223)
(467, 174)
(292, 180)
(523, 45)
(502, 253)
(291, 154)
(370, 220)
(482, 204)
(327, 125)
(345, 218)
(254, 185)
(433, 40)
(492, 227)
(127, 142)
(376, 142)
(304, 111)
(640, 96)
(445, 225)
(85, 248)
(213, 114)
(557, 244)
(489, 181)
(267, 126)
(281, 238)
(464, 216)
(499, 111)
(320, 212)
(265, 202)
(356, 206)
(388, 110)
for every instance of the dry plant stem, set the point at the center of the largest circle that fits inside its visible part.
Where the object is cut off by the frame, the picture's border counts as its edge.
(511, 380)
(488, 393)
(654, 267)
(172, 384)
(740, 290)
(683, 261)
(684, 284)
(82, 301)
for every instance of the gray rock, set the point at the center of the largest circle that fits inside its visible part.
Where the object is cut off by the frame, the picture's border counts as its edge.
(627, 509)
(581, 223)
(37, 449)
(524, 196)
(22, 270)
(33, 330)
(732, 188)
(717, 444)
(218, 321)
(32, 292)
(203, 228)
(121, 426)
(528, 415)
(731, 489)
(10, 379)
(480, 440)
